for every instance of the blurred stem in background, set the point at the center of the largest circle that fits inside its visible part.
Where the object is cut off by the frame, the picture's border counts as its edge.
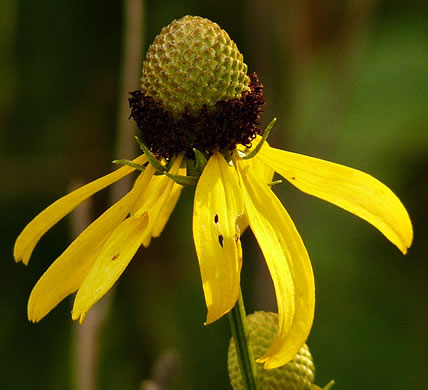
(88, 335)
(327, 37)
(8, 27)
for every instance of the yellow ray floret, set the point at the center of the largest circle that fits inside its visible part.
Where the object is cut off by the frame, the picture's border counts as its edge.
(289, 266)
(110, 263)
(217, 207)
(98, 256)
(68, 271)
(169, 206)
(32, 233)
(123, 243)
(348, 188)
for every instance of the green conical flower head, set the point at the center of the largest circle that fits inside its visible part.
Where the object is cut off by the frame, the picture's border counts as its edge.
(298, 374)
(193, 62)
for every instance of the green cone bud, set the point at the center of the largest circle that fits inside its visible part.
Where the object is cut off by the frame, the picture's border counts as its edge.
(193, 62)
(298, 374)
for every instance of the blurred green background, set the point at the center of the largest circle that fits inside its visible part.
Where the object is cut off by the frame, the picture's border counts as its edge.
(348, 82)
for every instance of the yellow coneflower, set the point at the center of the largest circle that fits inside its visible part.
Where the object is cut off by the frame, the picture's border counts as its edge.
(198, 111)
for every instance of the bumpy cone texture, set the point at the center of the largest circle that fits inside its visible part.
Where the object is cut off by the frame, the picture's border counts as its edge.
(193, 62)
(298, 374)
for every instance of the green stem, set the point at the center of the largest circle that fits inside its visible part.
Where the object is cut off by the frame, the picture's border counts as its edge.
(243, 349)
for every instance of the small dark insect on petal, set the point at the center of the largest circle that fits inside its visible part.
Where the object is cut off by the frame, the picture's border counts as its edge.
(220, 240)
(216, 218)
(115, 256)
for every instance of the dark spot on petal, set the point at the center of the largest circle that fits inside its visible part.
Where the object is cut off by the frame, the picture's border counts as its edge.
(293, 177)
(115, 256)
(216, 218)
(220, 240)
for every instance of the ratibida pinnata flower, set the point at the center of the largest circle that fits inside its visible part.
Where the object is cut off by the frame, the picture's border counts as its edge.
(199, 110)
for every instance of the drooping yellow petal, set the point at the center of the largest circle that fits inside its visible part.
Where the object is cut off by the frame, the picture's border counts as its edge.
(289, 266)
(216, 210)
(263, 171)
(115, 256)
(265, 175)
(124, 242)
(68, 271)
(160, 200)
(32, 233)
(61, 279)
(167, 210)
(348, 188)
(157, 184)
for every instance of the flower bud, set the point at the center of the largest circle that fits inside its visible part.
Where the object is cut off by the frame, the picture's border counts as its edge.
(298, 374)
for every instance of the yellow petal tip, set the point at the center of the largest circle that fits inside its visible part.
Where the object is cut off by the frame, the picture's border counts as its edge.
(269, 363)
(18, 253)
(210, 319)
(213, 315)
(405, 244)
(33, 319)
(33, 316)
(78, 316)
(18, 259)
